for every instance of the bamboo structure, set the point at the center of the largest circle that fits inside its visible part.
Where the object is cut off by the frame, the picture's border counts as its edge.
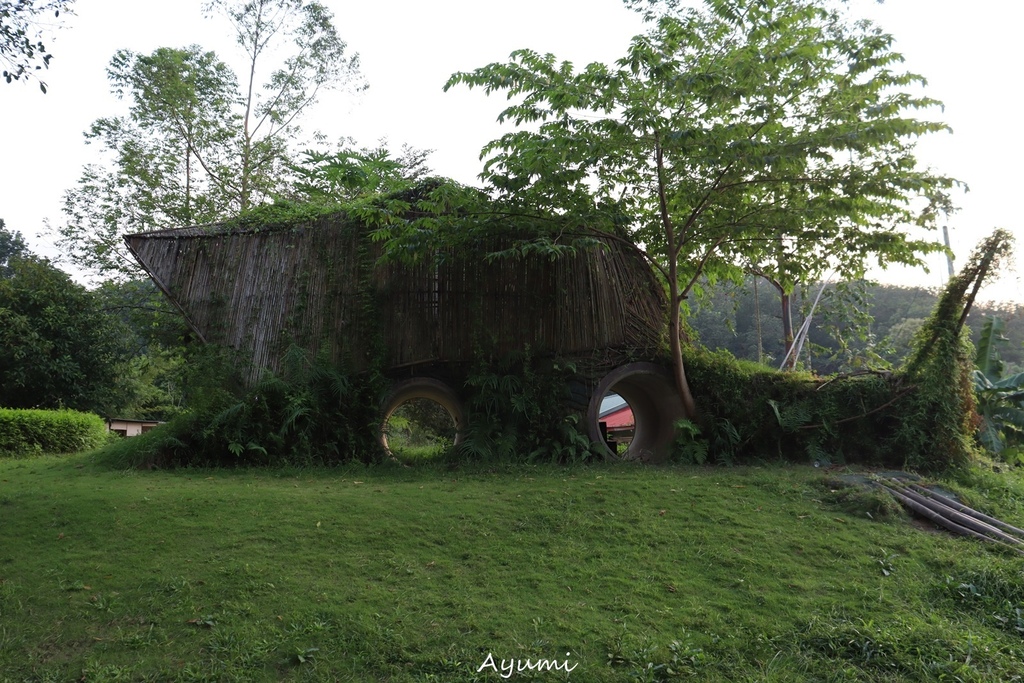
(322, 285)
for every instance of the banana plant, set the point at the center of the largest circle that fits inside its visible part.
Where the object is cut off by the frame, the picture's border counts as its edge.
(1000, 399)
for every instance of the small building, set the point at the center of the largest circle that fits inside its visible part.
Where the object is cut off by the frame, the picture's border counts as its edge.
(126, 427)
(616, 421)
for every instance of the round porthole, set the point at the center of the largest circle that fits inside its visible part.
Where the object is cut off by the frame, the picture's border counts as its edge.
(420, 418)
(633, 411)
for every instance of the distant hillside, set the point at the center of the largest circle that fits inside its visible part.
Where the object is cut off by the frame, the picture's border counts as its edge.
(854, 326)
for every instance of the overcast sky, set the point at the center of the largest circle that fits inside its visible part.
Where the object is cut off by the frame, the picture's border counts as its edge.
(969, 52)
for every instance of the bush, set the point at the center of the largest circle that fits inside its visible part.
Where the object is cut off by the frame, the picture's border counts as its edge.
(750, 412)
(49, 431)
(310, 413)
(518, 409)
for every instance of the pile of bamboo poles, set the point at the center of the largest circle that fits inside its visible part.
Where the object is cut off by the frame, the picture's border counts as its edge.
(953, 516)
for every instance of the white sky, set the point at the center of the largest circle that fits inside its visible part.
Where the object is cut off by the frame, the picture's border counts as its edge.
(968, 51)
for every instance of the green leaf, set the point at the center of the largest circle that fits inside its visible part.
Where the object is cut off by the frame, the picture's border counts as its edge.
(987, 354)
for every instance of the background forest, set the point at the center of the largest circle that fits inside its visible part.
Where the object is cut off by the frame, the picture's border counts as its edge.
(864, 325)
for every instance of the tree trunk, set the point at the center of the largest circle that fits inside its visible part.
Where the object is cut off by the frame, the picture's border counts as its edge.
(674, 323)
(757, 321)
(188, 184)
(247, 135)
(678, 367)
(787, 327)
(788, 338)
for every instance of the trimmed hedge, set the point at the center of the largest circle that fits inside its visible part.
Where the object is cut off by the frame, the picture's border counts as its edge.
(49, 431)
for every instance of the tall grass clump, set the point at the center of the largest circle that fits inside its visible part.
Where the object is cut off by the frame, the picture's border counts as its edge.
(26, 432)
(310, 413)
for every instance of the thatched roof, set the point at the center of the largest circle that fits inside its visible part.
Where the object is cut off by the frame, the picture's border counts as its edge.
(320, 283)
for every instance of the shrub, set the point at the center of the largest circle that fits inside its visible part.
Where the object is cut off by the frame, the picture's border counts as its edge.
(310, 413)
(518, 409)
(24, 431)
(749, 412)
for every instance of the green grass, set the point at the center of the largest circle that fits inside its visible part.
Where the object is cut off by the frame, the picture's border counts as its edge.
(416, 574)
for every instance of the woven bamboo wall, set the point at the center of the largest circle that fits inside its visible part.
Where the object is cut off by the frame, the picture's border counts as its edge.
(260, 290)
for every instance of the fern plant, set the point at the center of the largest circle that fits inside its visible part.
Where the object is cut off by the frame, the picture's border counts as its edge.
(791, 417)
(690, 445)
(517, 411)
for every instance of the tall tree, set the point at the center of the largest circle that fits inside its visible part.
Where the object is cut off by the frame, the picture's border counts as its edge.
(22, 51)
(58, 348)
(12, 245)
(197, 145)
(183, 101)
(317, 60)
(723, 133)
(164, 163)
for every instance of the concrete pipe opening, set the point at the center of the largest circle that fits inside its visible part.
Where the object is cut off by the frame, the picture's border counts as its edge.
(651, 395)
(420, 417)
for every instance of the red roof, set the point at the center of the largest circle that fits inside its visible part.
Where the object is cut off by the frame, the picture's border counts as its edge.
(620, 419)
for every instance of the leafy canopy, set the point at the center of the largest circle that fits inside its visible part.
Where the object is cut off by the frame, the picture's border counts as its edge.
(746, 132)
(734, 126)
(348, 175)
(12, 245)
(198, 144)
(22, 51)
(58, 348)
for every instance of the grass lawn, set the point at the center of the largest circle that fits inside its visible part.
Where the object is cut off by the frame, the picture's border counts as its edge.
(623, 573)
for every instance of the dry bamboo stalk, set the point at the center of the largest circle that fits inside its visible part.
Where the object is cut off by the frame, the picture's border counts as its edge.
(943, 521)
(949, 502)
(957, 517)
(254, 290)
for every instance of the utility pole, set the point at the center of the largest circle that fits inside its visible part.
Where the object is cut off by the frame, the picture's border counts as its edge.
(949, 252)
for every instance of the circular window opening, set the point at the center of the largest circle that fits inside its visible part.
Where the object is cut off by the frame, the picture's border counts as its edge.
(635, 407)
(616, 423)
(419, 429)
(421, 418)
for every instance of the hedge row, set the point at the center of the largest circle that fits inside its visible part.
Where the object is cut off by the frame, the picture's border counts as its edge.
(49, 431)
